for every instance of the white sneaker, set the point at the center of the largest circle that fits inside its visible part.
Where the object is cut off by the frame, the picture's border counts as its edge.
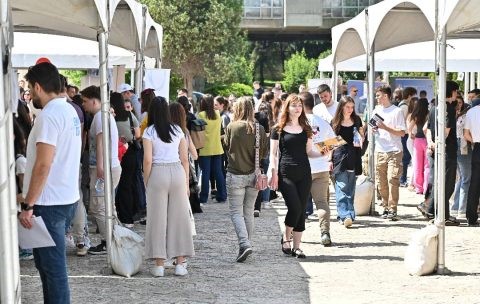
(157, 271)
(267, 205)
(180, 270)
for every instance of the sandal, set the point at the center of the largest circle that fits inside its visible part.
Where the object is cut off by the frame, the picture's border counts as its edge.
(286, 250)
(298, 253)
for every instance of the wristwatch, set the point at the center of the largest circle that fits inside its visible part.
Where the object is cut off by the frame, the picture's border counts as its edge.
(26, 207)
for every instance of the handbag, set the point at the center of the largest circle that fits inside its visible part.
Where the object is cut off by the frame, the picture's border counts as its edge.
(135, 143)
(261, 180)
(197, 133)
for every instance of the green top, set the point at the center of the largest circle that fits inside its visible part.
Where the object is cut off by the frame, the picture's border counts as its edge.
(213, 145)
(241, 148)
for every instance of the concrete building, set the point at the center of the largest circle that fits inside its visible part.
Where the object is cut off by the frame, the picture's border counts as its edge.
(297, 19)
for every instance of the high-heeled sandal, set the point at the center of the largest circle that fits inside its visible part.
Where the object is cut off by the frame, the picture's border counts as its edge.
(286, 250)
(298, 253)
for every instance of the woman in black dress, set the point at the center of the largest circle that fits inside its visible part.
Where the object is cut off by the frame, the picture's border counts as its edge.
(290, 147)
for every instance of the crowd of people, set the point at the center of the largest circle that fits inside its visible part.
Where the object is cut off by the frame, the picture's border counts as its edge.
(169, 159)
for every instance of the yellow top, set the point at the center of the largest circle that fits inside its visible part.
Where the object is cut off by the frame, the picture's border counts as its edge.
(143, 125)
(213, 145)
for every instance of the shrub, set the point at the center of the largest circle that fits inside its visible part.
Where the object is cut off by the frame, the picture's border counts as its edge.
(297, 69)
(237, 89)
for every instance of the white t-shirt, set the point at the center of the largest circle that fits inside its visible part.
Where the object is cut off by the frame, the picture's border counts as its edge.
(471, 123)
(164, 152)
(20, 165)
(57, 125)
(95, 129)
(393, 117)
(321, 131)
(324, 112)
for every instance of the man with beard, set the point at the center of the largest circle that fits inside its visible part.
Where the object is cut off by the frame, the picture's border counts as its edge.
(51, 177)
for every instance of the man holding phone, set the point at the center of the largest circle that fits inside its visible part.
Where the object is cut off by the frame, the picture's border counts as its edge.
(388, 128)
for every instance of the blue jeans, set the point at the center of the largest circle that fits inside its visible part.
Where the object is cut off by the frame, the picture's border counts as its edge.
(345, 194)
(51, 261)
(215, 163)
(464, 167)
(241, 200)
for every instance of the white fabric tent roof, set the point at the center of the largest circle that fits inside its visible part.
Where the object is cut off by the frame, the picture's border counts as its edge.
(67, 52)
(397, 22)
(83, 19)
(462, 56)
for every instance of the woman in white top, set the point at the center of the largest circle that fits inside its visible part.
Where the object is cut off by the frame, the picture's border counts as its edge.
(165, 166)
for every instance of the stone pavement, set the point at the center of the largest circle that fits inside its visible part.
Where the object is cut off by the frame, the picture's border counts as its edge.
(365, 265)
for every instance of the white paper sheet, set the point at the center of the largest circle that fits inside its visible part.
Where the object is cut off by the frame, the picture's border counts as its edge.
(36, 237)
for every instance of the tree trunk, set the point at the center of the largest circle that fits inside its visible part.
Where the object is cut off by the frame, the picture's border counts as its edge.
(188, 83)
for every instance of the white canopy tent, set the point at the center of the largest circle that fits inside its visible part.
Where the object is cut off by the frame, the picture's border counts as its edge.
(124, 23)
(68, 52)
(391, 23)
(462, 56)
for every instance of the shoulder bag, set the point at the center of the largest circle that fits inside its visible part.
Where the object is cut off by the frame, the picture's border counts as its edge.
(134, 142)
(261, 180)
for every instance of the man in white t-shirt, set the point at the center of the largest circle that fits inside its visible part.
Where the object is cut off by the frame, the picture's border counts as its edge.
(50, 184)
(320, 168)
(471, 131)
(92, 105)
(327, 108)
(388, 150)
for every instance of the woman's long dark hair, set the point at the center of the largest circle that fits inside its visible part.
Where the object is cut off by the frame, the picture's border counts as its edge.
(159, 117)
(23, 118)
(20, 141)
(178, 116)
(117, 103)
(420, 112)
(206, 104)
(338, 118)
(146, 97)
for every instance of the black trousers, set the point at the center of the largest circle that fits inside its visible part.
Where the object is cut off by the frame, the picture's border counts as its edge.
(450, 176)
(129, 191)
(295, 191)
(474, 190)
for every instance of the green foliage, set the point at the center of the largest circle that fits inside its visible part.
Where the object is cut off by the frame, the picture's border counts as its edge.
(201, 38)
(297, 70)
(237, 89)
(74, 77)
(176, 83)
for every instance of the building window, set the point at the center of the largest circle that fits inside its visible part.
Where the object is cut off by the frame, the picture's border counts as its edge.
(263, 9)
(345, 9)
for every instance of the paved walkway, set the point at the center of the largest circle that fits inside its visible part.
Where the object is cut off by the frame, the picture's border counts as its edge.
(365, 265)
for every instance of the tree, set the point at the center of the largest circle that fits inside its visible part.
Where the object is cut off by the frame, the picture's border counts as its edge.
(201, 37)
(297, 70)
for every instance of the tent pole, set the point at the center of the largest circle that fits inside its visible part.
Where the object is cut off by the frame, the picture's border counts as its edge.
(472, 81)
(370, 106)
(9, 263)
(105, 111)
(466, 82)
(440, 146)
(139, 56)
(334, 82)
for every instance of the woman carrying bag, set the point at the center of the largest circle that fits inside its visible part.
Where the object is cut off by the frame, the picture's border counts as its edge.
(245, 142)
(347, 159)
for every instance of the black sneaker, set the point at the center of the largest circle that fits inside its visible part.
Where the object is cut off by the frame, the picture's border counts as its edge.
(385, 214)
(451, 221)
(473, 224)
(392, 215)
(243, 254)
(326, 240)
(99, 249)
(256, 213)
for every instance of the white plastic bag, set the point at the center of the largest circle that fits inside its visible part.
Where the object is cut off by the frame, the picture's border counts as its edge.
(364, 191)
(192, 221)
(126, 253)
(421, 253)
